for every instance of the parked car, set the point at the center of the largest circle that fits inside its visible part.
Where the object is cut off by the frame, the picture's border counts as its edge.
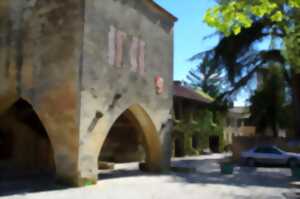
(270, 155)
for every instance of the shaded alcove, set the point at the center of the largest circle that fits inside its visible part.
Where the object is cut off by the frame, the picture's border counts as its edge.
(26, 150)
(123, 144)
(133, 138)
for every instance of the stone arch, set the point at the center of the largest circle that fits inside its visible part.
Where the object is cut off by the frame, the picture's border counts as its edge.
(143, 124)
(30, 145)
(92, 142)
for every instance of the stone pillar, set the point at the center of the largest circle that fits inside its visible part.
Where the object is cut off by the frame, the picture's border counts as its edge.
(57, 109)
(166, 141)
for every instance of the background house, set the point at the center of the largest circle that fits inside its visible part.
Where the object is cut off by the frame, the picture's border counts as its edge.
(238, 124)
(194, 129)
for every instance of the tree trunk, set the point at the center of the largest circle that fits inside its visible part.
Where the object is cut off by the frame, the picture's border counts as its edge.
(275, 130)
(296, 103)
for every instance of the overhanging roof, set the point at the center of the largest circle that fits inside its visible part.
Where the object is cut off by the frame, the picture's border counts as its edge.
(161, 10)
(188, 93)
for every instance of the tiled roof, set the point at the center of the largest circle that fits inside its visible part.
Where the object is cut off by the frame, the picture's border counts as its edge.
(188, 93)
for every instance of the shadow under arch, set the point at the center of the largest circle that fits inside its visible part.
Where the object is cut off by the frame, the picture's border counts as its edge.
(28, 150)
(143, 124)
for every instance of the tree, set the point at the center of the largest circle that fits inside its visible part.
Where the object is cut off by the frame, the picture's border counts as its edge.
(233, 62)
(292, 55)
(205, 77)
(271, 89)
(242, 24)
(231, 16)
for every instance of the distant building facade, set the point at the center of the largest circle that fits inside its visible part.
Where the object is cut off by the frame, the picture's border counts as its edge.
(187, 105)
(238, 124)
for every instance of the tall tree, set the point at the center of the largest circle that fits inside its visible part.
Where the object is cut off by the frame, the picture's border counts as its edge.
(292, 55)
(268, 102)
(206, 77)
(243, 24)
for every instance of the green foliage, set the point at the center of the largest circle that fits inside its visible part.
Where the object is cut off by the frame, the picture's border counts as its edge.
(271, 90)
(88, 183)
(204, 77)
(242, 24)
(205, 124)
(188, 144)
(231, 16)
(292, 48)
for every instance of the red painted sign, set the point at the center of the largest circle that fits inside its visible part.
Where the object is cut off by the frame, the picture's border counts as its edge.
(159, 85)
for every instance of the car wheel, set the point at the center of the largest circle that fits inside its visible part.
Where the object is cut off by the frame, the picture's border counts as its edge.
(292, 163)
(250, 162)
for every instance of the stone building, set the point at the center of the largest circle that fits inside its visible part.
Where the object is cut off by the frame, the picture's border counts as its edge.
(187, 105)
(71, 70)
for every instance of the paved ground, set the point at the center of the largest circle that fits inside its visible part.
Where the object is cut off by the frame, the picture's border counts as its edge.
(206, 182)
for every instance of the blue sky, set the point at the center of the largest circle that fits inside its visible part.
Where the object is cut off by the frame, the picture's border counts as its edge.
(189, 33)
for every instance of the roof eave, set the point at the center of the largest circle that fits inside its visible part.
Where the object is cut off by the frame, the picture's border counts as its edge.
(162, 10)
(194, 100)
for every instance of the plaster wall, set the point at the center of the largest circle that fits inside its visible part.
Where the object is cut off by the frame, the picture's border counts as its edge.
(110, 84)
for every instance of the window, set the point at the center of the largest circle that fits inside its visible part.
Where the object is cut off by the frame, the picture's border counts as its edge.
(269, 150)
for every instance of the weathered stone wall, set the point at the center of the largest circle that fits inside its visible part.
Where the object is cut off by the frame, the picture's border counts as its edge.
(127, 45)
(40, 43)
(81, 64)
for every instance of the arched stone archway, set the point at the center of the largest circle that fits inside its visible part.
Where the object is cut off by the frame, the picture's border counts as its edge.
(60, 120)
(141, 121)
(142, 126)
(25, 146)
